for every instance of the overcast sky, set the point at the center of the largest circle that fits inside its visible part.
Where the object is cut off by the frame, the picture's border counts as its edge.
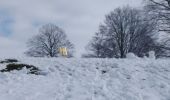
(21, 19)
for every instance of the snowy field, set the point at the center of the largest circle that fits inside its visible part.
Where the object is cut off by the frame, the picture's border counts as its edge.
(88, 79)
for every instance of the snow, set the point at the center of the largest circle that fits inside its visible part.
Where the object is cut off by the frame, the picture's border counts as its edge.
(88, 79)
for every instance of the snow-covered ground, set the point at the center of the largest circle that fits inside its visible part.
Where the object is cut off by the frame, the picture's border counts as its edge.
(88, 79)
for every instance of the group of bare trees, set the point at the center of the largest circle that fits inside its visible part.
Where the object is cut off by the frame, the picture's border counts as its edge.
(124, 30)
(130, 30)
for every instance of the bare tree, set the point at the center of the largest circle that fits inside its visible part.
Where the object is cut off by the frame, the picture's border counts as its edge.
(159, 10)
(125, 30)
(100, 46)
(48, 42)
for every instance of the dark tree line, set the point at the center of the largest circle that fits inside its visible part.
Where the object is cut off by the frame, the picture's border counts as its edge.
(124, 30)
(48, 42)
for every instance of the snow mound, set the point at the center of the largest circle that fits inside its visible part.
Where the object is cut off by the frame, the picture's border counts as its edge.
(131, 56)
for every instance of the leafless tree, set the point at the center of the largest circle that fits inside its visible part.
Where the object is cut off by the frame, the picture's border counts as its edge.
(48, 42)
(159, 10)
(124, 30)
(100, 46)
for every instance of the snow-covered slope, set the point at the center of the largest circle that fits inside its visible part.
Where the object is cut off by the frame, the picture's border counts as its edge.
(89, 79)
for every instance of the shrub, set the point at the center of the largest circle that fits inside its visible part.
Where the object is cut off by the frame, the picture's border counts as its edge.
(32, 69)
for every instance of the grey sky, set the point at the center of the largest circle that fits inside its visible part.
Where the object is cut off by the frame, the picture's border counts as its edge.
(20, 20)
